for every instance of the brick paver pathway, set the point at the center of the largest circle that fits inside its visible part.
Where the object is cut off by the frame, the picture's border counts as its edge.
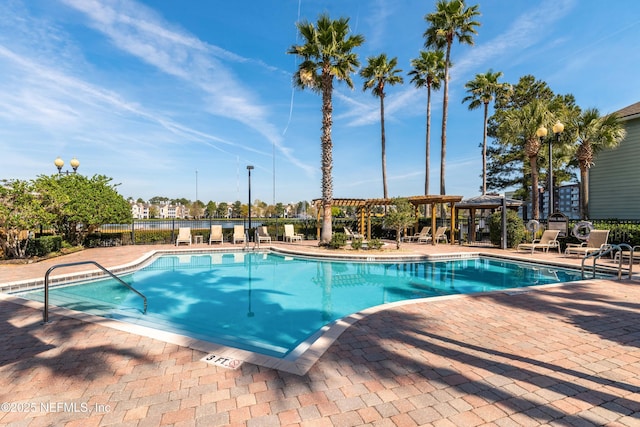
(564, 355)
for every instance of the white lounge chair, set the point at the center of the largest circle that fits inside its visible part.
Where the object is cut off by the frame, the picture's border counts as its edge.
(216, 234)
(352, 235)
(440, 234)
(548, 240)
(238, 234)
(423, 234)
(597, 241)
(263, 235)
(184, 236)
(290, 235)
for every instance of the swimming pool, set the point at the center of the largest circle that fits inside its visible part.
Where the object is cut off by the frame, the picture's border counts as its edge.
(270, 304)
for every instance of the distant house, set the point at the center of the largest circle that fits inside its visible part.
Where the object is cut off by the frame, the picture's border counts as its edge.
(614, 181)
(139, 210)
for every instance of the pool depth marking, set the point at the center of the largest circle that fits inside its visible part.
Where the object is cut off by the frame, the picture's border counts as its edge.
(225, 362)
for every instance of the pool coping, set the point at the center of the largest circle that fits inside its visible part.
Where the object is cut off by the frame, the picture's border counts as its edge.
(307, 353)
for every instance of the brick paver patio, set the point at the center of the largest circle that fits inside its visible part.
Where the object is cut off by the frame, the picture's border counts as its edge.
(557, 355)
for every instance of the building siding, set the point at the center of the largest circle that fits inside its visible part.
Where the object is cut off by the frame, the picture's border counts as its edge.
(614, 180)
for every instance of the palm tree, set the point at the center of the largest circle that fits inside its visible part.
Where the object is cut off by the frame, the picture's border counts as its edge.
(594, 134)
(482, 90)
(327, 52)
(378, 73)
(450, 21)
(519, 126)
(428, 71)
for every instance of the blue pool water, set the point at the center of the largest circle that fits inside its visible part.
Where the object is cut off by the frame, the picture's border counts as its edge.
(269, 303)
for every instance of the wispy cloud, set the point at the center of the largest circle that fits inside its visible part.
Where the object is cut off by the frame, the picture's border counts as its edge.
(139, 31)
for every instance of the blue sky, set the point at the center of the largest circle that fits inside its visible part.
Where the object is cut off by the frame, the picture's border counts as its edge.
(172, 98)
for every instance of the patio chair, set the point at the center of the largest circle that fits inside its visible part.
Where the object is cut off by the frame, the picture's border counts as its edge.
(440, 234)
(548, 240)
(216, 234)
(423, 234)
(351, 235)
(184, 236)
(290, 234)
(597, 241)
(263, 235)
(238, 234)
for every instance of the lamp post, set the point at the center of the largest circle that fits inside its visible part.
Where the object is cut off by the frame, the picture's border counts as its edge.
(75, 163)
(249, 167)
(558, 128)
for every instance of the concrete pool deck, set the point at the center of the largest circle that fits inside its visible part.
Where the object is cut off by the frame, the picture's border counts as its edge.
(552, 355)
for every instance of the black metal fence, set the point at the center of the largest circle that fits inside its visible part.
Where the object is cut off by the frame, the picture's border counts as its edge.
(166, 231)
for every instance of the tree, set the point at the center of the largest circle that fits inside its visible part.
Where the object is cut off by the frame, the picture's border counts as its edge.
(210, 210)
(236, 209)
(507, 164)
(428, 71)
(594, 133)
(21, 211)
(223, 210)
(482, 90)
(80, 205)
(377, 74)
(449, 22)
(327, 53)
(519, 127)
(196, 209)
(401, 217)
(158, 200)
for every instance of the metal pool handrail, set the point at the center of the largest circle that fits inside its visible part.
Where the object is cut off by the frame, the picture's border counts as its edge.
(45, 314)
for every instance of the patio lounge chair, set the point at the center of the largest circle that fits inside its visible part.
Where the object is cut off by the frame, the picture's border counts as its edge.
(423, 234)
(238, 234)
(216, 234)
(548, 240)
(184, 236)
(290, 234)
(351, 235)
(597, 241)
(263, 235)
(440, 234)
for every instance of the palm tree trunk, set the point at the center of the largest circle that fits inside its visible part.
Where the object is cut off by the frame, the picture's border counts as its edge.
(427, 143)
(584, 193)
(384, 149)
(484, 149)
(327, 158)
(445, 106)
(533, 162)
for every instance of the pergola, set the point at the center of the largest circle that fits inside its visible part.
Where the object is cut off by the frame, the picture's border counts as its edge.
(485, 201)
(364, 207)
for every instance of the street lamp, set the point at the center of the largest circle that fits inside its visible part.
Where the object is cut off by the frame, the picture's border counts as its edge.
(249, 167)
(558, 128)
(75, 163)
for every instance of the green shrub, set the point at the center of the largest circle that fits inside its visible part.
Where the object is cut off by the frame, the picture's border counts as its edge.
(516, 230)
(356, 244)
(375, 244)
(338, 240)
(43, 246)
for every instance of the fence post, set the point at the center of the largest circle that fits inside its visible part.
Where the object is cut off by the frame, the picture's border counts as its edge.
(133, 233)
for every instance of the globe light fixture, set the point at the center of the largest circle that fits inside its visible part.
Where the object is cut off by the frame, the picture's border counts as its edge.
(557, 128)
(59, 163)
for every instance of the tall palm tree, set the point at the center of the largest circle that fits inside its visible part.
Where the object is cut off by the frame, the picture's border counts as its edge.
(482, 90)
(377, 74)
(519, 126)
(327, 53)
(594, 134)
(451, 21)
(428, 71)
